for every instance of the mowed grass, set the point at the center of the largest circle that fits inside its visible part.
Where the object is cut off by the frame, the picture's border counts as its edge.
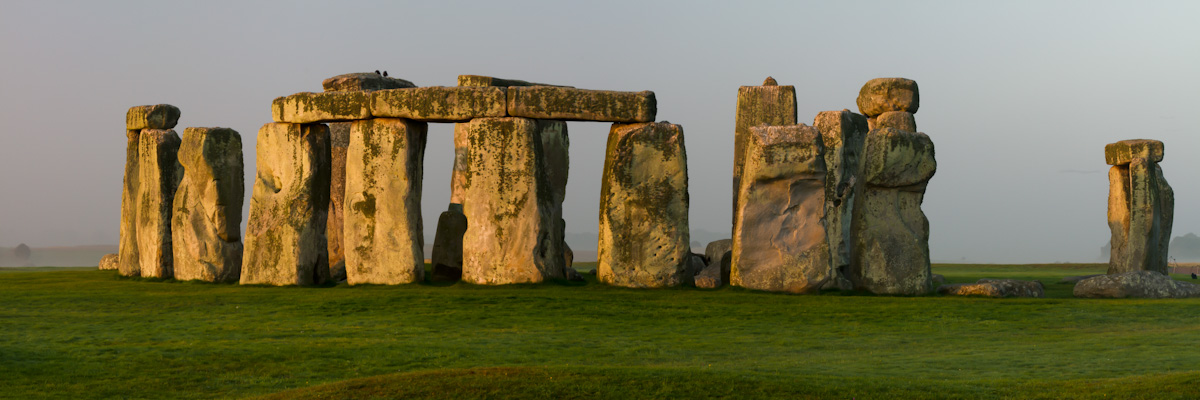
(91, 334)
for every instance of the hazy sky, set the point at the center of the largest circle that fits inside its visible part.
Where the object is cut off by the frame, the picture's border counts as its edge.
(1019, 97)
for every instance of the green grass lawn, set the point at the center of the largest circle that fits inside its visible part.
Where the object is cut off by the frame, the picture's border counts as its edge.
(90, 334)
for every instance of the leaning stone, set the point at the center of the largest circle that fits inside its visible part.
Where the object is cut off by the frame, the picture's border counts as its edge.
(383, 228)
(843, 135)
(720, 253)
(998, 288)
(207, 221)
(1136, 284)
(364, 81)
(159, 174)
(779, 237)
(129, 262)
(709, 277)
(307, 107)
(1125, 151)
(1141, 208)
(439, 103)
(894, 158)
(644, 238)
(109, 262)
(447, 244)
(285, 235)
(881, 95)
(1076, 279)
(570, 104)
(339, 140)
(901, 120)
(159, 116)
(479, 80)
(769, 104)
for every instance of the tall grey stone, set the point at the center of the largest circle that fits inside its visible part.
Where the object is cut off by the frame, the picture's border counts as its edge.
(159, 174)
(769, 104)
(842, 133)
(1141, 207)
(207, 218)
(447, 257)
(128, 260)
(339, 140)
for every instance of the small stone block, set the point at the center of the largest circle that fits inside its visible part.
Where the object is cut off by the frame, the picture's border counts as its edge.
(1123, 152)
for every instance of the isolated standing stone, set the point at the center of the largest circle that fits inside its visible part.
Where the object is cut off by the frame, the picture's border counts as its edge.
(842, 133)
(769, 104)
(383, 230)
(364, 81)
(128, 260)
(285, 235)
(159, 174)
(571, 104)
(339, 140)
(447, 244)
(644, 237)
(881, 95)
(108, 262)
(159, 116)
(207, 220)
(1141, 208)
(779, 237)
(1136, 284)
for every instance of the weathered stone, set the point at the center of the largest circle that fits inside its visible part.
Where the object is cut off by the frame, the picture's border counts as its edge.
(843, 135)
(207, 220)
(285, 235)
(901, 120)
(937, 279)
(439, 103)
(129, 262)
(1125, 151)
(770, 81)
(510, 212)
(894, 158)
(998, 288)
(644, 238)
(779, 237)
(572, 275)
(462, 153)
(1141, 208)
(159, 116)
(339, 140)
(720, 253)
(881, 95)
(364, 81)
(570, 104)
(568, 256)
(696, 263)
(383, 228)
(709, 277)
(769, 104)
(159, 174)
(447, 244)
(1137, 284)
(308, 107)
(479, 80)
(1076, 279)
(109, 262)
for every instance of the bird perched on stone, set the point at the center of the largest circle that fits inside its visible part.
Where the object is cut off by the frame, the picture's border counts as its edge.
(384, 73)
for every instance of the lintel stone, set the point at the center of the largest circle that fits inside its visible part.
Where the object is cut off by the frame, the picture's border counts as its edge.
(439, 103)
(308, 107)
(1123, 152)
(570, 104)
(158, 116)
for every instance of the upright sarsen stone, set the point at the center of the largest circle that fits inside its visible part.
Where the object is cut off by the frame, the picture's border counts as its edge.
(159, 174)
(339, 140)
(383, 229)
(1141, 207)
(285, 235)
(644, 238)
(769, 104)
(128, 260)
(207, 221)
(842, 133)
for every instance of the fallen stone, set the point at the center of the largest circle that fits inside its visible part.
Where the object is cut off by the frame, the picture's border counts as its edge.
(364, 81)
(1136, 284)
(207, 220)
(573, 275)
(285, 236)
(1141, 208)
(479, 80)
(1125, 151)
(447, 244)
(709, 277)
(439, 103)
(998, 288)
(720, 253)
(307, 107)
(159, 174)
(339, 140)
(938, 279)
(159, 116)
(644, 237)
(894, 158)
(881, 95)
(1076, 279)
(570, 104)
(129, 262)
(769, 104)
(843, 134)
(901, 120)
(109, 262)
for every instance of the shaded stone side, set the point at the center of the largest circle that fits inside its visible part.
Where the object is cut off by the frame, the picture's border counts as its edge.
(769, 104)
(842, 133)
(159, 174)
(480, 80)
(779, 237)
(364, 81)
(570, 104)
(339, 140)
(307, 107)
(128, 260)
(447, 257)
(509, 208)
(207, 220)
(158, 116)
(1141, 207)
(439, 103)
(285, 235)
(383, 229)
(644, 237)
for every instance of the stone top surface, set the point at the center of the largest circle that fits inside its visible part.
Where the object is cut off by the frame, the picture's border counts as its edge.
(881, 95)
(480, 80)
(571, 104)
(364, 81)
(308, 107)
(1123, 152)
(158, 116)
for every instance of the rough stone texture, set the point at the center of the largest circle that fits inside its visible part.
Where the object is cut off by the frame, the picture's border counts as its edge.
(779, 237)
(285, 235)
(129, 262)
(364, 81)
(1141, 208)
(995, 288)
(510, 213)
(842, 133)
(696, 264)
(159, 116)
(572, 275)
(901, 120)
(720, 253)
(308, 107)
(384, 235)
(890, 234)
(881, 95)
(938, 279)
(1076, 279)
(644, 237)
(447, 244)
(109, 262)
(709, 277)
(439, 103)
(1125, 151)
(479, 80)
(770, 104)
(159, 173)
(1137, 284)
(462, 153)
(339, 140)
(568, 256)
(207, 221)
(570, 104)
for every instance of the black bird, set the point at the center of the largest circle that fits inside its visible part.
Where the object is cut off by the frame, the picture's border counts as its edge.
(376, 72)
(1194, 275)
(384, 73)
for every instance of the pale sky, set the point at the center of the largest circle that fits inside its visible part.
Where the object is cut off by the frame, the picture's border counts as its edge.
(1019, 97)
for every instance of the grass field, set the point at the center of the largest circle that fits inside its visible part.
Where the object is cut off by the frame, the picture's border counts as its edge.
(90, 334)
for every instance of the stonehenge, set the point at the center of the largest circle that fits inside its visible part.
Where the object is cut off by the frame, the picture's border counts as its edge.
(159, 174)
(769, 104)
(1141, 207)
(206, 219)
(138, 119)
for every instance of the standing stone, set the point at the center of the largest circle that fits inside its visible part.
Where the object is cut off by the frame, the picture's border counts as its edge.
(769, 104)
(207, 220)
(842, 133)
(1141, 207)
(339, 140)
(644, 238)
(159, 174)
(285, 236)
(128, 260)
(509, 208)
(447, 244)
(720, 254)
(383, 232)
(779, 237)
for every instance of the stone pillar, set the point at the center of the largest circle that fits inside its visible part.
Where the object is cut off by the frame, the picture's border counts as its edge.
(644, 237)
(207, 220)
(159, 174)
(1141, 207)
(842, 133)
(384, 235)
(339, 140)
(769, 104)
(779, 241)
(447, 257)
(160, 116)
(508, 205)
(285, 236)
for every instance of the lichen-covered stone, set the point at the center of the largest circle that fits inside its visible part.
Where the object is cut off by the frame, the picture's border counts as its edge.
(1141, 208)
(439, 103)
(570, 104)
(1123, 152)
(207, 221)
(364, 81)
(769, 104)
(479, 80)
(109, 262)
(159, 174)
(447, 242)
(1136, 284)
(509, 205)
(384, 234)
(285, 235)
(339, 140)
(308, 107)
(129, 262)
(644, 237)
(720, 253)
(998, 288)
(843, 134)
(902, 120)
(159, 116)
(709, 277)
(881, 95)
(779, 237)
(895, 158)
